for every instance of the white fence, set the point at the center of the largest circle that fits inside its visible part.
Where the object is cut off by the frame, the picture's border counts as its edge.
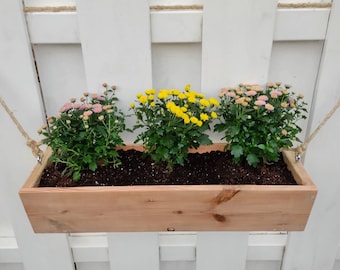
(48, 57)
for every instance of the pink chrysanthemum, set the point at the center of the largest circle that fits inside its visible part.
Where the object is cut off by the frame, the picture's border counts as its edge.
(251, 93)
(66, 107)
(260, 102)
(269, 107)
(97, 108)
(262, 97)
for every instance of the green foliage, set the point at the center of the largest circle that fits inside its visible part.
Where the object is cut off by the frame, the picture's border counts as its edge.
(172, 122)
(257, 122)
(86, 134)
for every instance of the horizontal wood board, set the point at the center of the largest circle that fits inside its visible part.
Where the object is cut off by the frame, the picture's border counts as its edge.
(170, 208)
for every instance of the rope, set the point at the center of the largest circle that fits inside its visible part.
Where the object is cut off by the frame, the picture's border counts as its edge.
(303, 147)
(34, 145)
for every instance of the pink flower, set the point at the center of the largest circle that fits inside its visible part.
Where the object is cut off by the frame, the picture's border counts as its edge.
(263, 98)
(76, 106)
(83, 107)
(260, 102)
(230, 94)
(251, 93)
(97, 108)
(87, 113)
(269, 107)
(275, 93)
(66, 107)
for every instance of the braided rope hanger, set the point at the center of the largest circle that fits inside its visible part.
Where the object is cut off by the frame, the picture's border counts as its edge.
(34, 145)
(38, 153)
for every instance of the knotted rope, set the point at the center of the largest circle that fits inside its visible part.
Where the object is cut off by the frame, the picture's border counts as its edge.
(34, 145)
(303, 147)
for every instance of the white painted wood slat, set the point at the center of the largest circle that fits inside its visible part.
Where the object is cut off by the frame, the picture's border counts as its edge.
(319, 241)
(237, 42)
(117, 49)
(234, 49)
(19, 88)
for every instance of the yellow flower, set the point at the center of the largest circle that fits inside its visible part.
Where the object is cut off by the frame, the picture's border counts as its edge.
(132, 105)
(192, 99)
(193, 120)
(204, 102)
(138, 95)
(184, 109)
(213, 115)
(182, 96)
(170, 104)
(143, 99)
(152, 104)
(175, 92)
(199, 123)
(187, 87)
(150, 91)
(204, 117)
(163, 95)
(199, 95)
(214, 102)
(186, 119)
(151, 97)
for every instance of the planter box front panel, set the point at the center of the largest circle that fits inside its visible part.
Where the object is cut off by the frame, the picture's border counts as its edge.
(170, 208)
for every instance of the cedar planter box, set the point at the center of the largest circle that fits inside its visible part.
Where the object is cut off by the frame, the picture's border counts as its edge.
(170, 208)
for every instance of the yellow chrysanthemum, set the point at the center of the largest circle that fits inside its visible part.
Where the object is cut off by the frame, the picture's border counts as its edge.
(151, 97)
(163, 95)
(204, 117)
(187, 87)
(192, 99)
(186, 118)
(205, 102)
(132, 105)
(184, 109)
(143, 99)
(199, 123)
(170, 104)
(175, 92)
(214, 102)
(213, 115)
(182, 96)
(193, 120)
(152, 104)
(150, 91)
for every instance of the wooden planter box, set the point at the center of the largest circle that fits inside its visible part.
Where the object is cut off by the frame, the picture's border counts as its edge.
(170, 208)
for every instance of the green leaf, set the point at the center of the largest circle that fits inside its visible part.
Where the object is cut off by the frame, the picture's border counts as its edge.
(76, 176)
(204, 139)
(93, 166)
(237, 151)
(253, 160)
(261, 146)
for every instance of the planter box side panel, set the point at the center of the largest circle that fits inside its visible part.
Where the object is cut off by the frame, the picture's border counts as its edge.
(220, 208)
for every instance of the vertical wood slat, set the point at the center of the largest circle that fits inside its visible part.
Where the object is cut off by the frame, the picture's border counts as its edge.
(221, 250)
(116, 43)
(236, 42)
(236, 47)
(319, 242)
(20, 90)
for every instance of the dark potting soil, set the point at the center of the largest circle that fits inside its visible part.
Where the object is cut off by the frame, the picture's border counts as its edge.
(209, 168)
